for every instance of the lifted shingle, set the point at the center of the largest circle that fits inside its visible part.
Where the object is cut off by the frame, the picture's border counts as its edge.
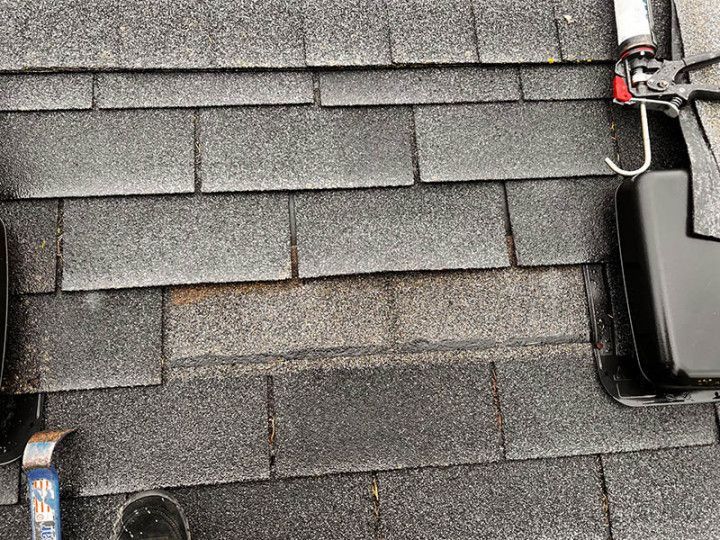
(374, 413)
(277, 319)
(423, 228)
(31, 231)
(278, 148)
(192, 89)
(120, 343)
(664, 494)
(497, 141)
(162, 34)
(80, 154)
(436, 32)
(420, 85)
(147, 241)
(32, 92)
(492, 307)
(534, 499)
(553, 405)
(346, 33)
(564, 221)
(567, 81)
(326, 508)
(516, 31)
(201, 426)
(9, 484)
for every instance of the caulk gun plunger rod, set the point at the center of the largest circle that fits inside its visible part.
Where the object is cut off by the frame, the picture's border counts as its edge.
(634, 26)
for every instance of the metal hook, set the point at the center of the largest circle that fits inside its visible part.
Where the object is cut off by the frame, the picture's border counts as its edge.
(646, 147)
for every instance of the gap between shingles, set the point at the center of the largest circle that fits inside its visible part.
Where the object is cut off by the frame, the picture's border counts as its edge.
(509, 234)
(605, 501)
(196, 151)
(375, 494)
(292, 216)
(498, 409)
(272, 425)
(59, 246)
(414, 148)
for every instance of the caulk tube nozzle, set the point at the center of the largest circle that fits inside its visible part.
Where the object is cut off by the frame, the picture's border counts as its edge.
(634, 27)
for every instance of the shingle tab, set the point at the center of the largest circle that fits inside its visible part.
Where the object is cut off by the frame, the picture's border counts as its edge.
(192, 89)
(492, 307)
(564, 221)
(336, 507)
(277, 319)
(422, 228)
(201, 426)
(553, 405)
(68, 154)
(346, 33)
(374, 413)
(161, 34)
(664, 494)
(9, 483)
(497, 141)
(305, 148)
(567, 81)
(31, 231)
(121, 341)
(33, 92)
(419, 85)
(147, 241)
(516, 31)
(534, 499)
(436, 32)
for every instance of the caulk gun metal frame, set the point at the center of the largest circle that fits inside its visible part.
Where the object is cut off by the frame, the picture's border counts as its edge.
(641, 80)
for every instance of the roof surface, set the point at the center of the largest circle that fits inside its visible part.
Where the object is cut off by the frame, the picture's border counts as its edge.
(317, 269)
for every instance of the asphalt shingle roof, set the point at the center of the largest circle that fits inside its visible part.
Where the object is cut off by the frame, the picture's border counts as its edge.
(321, 262)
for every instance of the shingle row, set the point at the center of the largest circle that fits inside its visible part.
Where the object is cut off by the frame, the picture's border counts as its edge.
(317, 33)
(360, 314)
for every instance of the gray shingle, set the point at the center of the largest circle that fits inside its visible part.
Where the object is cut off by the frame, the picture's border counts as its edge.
(492, 307)
(305, 148)
(496, 141)
(422, 228)
(84, 340)
(201, 426)
(66, 154)
(15, 522)
(88, 518)
(535, 499)
(432, 32)
(567, 81)
(336, 508)
(31, 227)
(553, 405)
(32, 92)
(587, 29)
(277, 319)
(9, 483)
(664, 494)
(136, 242)
(162, 34)
(563, 221)
(343, 33)
(420, 85)
(374, 413)
(516, 31)
(191, 89)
